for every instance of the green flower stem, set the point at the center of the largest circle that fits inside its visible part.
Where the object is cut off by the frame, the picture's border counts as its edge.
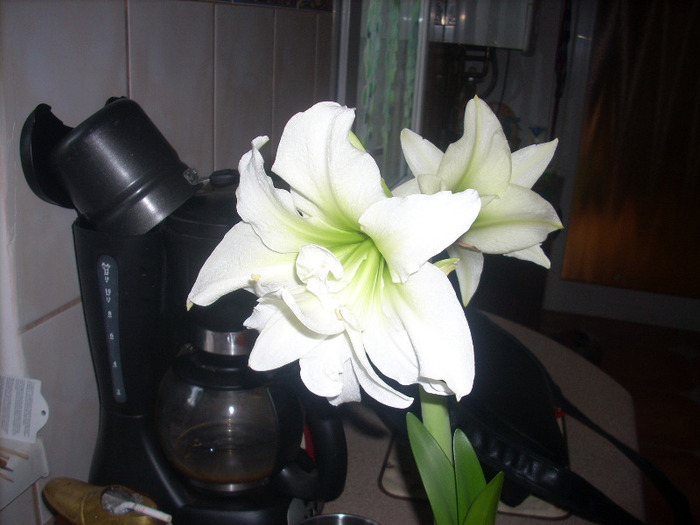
(436, 420)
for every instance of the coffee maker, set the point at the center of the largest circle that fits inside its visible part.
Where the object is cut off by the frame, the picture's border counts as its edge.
(182, 418)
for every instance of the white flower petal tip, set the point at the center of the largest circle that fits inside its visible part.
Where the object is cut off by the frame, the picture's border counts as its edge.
(533, 254)
(530, 163)
(259, 142)
(519, 219)
(421, 155)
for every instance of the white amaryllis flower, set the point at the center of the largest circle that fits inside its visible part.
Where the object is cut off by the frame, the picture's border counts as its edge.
(341, 269)
(514, 220)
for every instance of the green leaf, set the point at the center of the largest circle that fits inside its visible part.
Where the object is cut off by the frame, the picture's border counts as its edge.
(435, 470)
(485, 507)
(469, 477)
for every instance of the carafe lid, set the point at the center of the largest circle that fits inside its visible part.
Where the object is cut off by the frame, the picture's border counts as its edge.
(224, 343)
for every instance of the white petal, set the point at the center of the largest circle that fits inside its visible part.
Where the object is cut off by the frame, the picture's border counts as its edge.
(329, 176)
(434, 320)
(263, 312)
(323, 360)
(469, 268)
(407, 188)
(241, 260)
(315, 314)
(435, 387)
(283, 338)
(430, 184)
(481, 158)
(351, 386)
(369, 380)
(529, 163)
(387, 344)
(320, 270)
(410, 230)
(518, 220)
(270, 210)
(327, 371)
(533, 254)
(421, 155)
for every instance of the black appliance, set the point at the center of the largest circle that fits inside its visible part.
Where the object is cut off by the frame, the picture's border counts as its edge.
(145, 226)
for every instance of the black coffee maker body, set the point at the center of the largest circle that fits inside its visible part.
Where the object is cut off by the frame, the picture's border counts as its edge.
(144, 229)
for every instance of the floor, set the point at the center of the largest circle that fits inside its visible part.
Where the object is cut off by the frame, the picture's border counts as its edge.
(661, 370)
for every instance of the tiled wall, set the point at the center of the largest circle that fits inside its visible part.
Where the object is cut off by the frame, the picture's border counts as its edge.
(211, 75)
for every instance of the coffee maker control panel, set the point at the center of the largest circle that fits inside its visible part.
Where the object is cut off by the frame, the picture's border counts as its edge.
(108, 278)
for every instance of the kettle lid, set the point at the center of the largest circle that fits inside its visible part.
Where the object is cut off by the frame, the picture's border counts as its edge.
(115, 168)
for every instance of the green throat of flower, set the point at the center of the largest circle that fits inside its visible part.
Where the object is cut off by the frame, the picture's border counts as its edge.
(366, 270)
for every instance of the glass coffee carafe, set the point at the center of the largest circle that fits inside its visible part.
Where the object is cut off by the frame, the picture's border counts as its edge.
(222, 425)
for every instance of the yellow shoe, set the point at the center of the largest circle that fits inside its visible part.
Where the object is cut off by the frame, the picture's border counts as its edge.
(85, 504)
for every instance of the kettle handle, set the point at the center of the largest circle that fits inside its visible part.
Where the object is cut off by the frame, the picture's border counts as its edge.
(41, 133)
(327, 480)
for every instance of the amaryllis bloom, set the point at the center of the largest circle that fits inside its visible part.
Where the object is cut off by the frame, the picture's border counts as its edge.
(514, 220)
(341, 269)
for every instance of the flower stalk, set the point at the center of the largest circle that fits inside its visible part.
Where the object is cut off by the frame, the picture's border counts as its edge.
(436, 419)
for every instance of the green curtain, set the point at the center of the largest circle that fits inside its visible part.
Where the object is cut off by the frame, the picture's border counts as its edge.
(386, 80)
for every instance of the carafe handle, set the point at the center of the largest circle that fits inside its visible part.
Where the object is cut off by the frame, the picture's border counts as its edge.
(327, 480)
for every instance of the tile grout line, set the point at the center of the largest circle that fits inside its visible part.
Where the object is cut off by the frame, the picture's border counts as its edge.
(29, 326)
(273, 131)
(215, 93)
(128, 47)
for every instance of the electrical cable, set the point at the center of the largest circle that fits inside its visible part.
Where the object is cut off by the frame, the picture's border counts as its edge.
(505, 81)
(560, 63)
(493, 59)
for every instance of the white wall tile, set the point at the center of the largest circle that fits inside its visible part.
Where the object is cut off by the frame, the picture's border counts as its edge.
(19, 511)
(70, 55)
(325, 81)
(244, 80)
(58, 354)
(171, 68)
(295, 66)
